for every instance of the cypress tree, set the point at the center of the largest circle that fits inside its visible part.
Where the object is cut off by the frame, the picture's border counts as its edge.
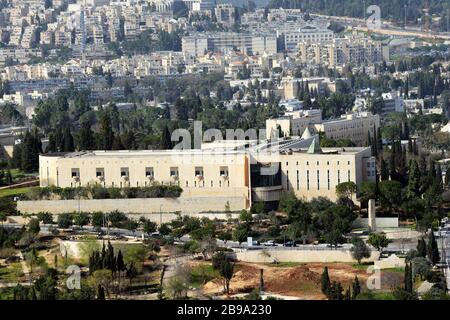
(120, 265)
(421, 248)
(384, 173)
(325, 282)
(69, 145)
(166, 142)
(408, 283)
(439, 176)
(432, 249)
(413, 180)
(356, 288)
(87, 141)
(106, 132)
(100, 293)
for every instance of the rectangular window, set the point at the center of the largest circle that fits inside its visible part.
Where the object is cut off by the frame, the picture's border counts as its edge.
(224, 171)
(307, 179)
(99, 173)
(75, 173)
(339, 176)
(328, 179)
(298, 181)
(348, 174)
(287, 180)
(199, 171)
(174, 171)
(149, 172)
(124, 172)
(318, 180)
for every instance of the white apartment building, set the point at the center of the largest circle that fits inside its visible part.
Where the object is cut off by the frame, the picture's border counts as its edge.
(343, 51)
(307, 34)
(198, 44)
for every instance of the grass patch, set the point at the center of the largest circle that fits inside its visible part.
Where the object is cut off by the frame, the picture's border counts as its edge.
(397, 270)
(286, 264)
(383, 296)
(11, 273)
(7, 294)
(201, 274)
(14, 192)
(362, 266)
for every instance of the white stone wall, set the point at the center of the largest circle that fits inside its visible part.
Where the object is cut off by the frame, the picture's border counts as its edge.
(296, 255)
(193, 205)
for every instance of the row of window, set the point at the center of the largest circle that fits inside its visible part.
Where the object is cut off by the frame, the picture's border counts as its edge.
(149, 172)
(318, 163)
(308, 186)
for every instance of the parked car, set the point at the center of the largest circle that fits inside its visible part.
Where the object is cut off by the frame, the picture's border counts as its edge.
(289, 244)
(269, 243)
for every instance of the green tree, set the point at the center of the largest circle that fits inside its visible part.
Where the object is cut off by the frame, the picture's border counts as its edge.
(421, 248)
(81, 219)
(325, 282)
(86, 137)
(166, 139)
(33, 226)
(390, 193)
(346, 189)
(65, 220)
(414, 180)
(45, 217)
(359, 250)
(100, 293)
(378, 241)
(432, 249)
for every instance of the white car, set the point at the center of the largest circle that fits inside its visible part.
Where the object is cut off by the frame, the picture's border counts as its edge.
(269, 243)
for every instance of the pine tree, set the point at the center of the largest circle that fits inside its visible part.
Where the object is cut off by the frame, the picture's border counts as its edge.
(325, 282)
(432, 249)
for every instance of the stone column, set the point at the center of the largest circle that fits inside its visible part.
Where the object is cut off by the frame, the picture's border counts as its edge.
(372, 221)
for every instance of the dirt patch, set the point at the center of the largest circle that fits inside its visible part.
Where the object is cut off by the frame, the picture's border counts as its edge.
(301, 281)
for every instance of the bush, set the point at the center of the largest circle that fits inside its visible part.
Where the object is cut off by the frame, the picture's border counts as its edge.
(99, 192)
(65, 220)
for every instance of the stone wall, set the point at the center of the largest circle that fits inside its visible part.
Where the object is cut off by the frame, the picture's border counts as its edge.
(296, 255)
(380, 223)
(185, 205)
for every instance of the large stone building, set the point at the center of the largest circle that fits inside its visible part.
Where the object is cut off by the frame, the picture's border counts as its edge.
(241, 169)
(355, 126)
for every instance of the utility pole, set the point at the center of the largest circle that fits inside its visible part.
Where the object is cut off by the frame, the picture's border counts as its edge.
(364, 4)
(406, 15)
